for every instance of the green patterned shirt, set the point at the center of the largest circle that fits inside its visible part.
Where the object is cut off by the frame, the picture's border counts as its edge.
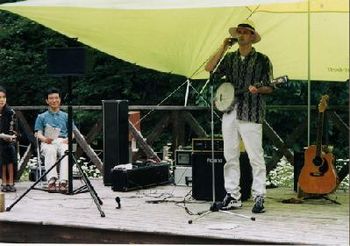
(254, 69)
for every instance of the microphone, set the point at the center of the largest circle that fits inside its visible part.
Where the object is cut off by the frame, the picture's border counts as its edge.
(232, 41)
(117, 199)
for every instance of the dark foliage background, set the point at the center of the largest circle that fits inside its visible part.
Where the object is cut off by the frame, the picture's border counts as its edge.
(23, 45)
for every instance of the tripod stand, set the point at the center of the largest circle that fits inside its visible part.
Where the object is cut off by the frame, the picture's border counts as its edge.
(92, 191)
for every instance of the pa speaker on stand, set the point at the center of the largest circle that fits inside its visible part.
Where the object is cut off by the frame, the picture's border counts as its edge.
(70, 61)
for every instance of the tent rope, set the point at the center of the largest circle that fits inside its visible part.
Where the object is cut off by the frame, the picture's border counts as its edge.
(199, 69)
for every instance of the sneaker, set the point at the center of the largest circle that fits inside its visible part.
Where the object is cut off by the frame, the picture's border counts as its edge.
(11, 188)
(230, 203)
(3, 188)
(259, 205)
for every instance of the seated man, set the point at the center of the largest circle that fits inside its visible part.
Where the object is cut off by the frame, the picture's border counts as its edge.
(51, 130)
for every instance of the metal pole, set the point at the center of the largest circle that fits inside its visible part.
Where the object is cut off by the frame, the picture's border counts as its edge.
(70, 137)
(308, 75)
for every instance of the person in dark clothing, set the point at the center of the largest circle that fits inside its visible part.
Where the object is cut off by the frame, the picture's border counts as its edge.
(7, 143)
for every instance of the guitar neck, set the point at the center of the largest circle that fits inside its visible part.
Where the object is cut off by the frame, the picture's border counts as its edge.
(319, 134)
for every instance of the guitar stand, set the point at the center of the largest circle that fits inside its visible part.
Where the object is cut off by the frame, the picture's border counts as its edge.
(307, 196)
(323, 197)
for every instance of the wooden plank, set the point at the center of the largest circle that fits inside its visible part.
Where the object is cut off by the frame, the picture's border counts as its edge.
(131, 107)
(178, 125)
(23, 161)
(87, 149)
(159, 212)
(339, 123)
(193, 123)
(278, 142)
(142, 143)
(181, 108)
(157, 130)
(95, 130)
(27, 130)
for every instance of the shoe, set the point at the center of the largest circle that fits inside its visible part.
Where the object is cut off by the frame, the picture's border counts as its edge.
(63, 188)
(51, 187)
(230, 203)
(3, 188)
(11, 188)
(259, 205)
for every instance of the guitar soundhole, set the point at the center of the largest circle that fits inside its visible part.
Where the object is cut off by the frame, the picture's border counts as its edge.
(317, 161)
(323, 166)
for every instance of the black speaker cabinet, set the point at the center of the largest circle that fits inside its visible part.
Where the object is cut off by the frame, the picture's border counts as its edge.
(72, 61)
(202, 176)
(140, 176)
(115, 136)
(298, 165)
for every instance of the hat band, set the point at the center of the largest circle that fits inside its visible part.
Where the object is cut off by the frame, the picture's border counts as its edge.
(246, 26)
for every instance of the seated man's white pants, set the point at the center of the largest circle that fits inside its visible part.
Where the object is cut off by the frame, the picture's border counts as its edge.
(51, 153)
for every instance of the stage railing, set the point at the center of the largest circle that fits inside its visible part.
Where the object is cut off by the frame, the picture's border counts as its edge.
(177, 117)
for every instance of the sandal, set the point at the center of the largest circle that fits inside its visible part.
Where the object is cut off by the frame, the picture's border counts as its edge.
(51, 187)
(63, 187)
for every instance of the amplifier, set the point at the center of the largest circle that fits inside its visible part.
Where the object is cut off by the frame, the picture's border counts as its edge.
(183, 158)
(202, 176)
(202, 181)
(204, 144)
(140, 176)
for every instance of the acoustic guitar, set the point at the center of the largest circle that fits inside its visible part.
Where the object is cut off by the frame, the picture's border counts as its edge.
(225, 94)
(318, 175)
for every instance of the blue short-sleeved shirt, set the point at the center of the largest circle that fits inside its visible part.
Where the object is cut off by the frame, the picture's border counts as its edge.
(54, 119)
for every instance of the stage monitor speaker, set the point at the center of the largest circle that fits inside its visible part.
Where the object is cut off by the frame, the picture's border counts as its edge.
(202, 176)
(298, 165)
(115, 136)
(73, 61)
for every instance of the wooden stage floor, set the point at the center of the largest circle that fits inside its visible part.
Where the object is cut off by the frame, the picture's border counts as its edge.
(157, 216)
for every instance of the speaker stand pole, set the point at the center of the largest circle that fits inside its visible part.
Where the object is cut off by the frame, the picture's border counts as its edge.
(70, 137)
(71, 159)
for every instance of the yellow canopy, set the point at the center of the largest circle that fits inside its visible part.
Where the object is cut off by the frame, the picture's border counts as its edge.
(178, 36)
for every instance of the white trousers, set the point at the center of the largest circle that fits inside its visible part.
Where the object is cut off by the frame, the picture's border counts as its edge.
(51, 153)
(251, 133)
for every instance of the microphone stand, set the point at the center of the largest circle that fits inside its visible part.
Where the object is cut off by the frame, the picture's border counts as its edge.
(215, 206)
